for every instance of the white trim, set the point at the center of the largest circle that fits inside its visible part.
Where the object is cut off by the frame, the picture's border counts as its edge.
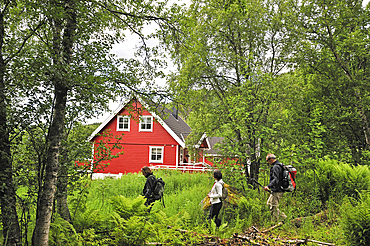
(200, 166)
(204, 136)
(106, 175)
(214, 155)
(151, 123)
(169, 130)
(92, 157)
(166, 127)
(208, 143)
(129, 123)
(102, 125)
(177, 155)
(159, 120)
(150, 154)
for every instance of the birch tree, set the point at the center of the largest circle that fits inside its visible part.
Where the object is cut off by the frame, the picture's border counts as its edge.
(335, 60)
(74, 26)
(228, 58)
(14, 36)
(64, 70)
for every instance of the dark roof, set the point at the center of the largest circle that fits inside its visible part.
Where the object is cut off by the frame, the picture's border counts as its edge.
(212, 142)
(177, 125)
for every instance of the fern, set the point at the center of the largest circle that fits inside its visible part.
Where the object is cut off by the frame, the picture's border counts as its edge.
(126, 207)
(337, 180)
(91, 218)
(356, 220)
(62, 233)
(132, 231)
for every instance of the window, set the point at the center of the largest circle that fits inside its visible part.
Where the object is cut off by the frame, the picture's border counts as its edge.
(123, 123)
(181, 155)
(156, 154)
(146, 123)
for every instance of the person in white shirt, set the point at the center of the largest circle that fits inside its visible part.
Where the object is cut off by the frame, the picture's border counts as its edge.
(215, 197)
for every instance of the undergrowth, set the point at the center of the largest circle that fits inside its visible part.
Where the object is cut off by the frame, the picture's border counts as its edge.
(112, 211)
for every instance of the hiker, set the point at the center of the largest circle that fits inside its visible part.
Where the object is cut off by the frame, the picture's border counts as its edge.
(277, 193)
(215, 197)
(150, 179)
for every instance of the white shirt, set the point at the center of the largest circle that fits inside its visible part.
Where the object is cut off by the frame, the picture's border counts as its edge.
(216, 192)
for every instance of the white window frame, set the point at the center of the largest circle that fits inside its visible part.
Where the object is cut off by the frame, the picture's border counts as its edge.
(181, 155)
(151, 149)
(123, 117)
(143, 119)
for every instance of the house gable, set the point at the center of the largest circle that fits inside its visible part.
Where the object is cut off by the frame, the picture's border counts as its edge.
(157, 141)
(177, 128)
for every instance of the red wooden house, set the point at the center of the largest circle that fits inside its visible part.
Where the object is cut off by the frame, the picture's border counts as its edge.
(150, 139)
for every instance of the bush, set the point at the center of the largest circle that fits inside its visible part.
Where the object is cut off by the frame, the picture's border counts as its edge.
(337, 180)
(62, 233)
(356, 220)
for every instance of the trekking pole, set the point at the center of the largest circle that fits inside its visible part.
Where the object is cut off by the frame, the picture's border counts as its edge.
(260, 185)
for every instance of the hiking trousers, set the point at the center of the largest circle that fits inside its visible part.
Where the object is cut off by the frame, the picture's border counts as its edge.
(273, 203)
(214, 211)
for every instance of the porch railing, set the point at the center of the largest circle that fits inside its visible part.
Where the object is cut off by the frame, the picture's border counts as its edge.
(199, 167)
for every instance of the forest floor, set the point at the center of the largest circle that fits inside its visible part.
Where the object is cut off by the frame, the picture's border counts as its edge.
(253, 236)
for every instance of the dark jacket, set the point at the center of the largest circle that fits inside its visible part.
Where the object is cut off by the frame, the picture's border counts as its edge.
(276, 175)
(147, 191)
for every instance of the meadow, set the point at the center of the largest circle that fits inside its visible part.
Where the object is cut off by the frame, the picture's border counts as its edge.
(331, 204)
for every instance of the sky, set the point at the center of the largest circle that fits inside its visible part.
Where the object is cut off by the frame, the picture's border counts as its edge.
(126, 49)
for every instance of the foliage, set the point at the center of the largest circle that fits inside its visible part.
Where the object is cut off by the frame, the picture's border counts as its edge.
(90, 238)
(55, 62)
(56, 69)
(337, 180)
(109, 211)
(62, 233)
(333, 59)
(229, 58)
(356, 219)
(183, 193)
(126, 208)
(133, 230)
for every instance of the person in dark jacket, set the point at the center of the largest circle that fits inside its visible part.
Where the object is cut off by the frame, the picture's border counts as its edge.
(150, 179)
(274, 186)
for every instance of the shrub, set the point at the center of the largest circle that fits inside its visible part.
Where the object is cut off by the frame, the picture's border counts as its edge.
(356, 220)
(62, 233)
(337, 180)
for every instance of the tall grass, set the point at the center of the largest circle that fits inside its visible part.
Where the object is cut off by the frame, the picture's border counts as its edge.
(112, 211)
(183, 192)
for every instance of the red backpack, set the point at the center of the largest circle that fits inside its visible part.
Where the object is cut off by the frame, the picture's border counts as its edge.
(288, 182)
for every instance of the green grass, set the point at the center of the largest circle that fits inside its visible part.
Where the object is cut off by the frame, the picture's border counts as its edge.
(97, 208)
(184, 192)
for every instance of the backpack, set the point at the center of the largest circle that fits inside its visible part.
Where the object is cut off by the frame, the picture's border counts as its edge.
(288, 181)
(158, 189)
(225, 193)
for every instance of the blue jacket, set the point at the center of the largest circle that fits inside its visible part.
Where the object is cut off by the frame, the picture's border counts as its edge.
(276, 175)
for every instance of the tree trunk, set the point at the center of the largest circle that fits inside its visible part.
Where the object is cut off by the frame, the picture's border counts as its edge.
(255, 163)
(62, 193)
(61, 49)
(11, 230)
(44, 208)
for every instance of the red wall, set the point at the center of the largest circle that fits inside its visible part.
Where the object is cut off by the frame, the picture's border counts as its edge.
(136, 145)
